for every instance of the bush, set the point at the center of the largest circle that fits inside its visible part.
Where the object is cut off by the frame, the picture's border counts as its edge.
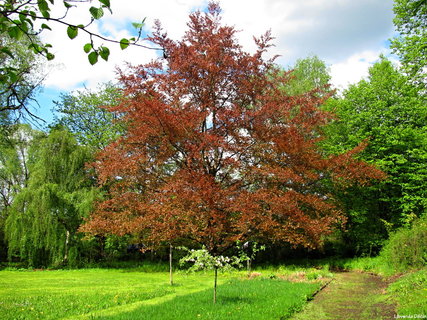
(407, 248)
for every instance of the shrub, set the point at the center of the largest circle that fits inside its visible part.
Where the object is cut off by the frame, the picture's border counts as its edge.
(407, 248)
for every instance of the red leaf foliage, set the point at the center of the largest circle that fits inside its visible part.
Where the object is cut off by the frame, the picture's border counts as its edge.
(215, 151)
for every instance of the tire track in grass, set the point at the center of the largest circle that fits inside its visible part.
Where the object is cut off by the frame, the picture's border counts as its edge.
(350, 296)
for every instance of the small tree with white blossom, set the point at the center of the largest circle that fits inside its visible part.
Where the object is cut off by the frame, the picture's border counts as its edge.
(203, 260)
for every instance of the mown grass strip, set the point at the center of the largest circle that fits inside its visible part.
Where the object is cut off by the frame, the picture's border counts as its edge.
(115, 310)
(238, 299)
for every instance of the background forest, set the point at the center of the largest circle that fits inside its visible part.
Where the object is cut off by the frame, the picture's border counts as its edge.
(72, 197)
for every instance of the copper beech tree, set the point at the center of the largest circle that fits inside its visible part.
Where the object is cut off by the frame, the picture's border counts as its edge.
(216, 151)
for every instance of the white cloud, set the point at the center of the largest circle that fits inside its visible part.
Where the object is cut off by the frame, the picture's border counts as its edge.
(353, 69)
(347, 34)
(172, 14)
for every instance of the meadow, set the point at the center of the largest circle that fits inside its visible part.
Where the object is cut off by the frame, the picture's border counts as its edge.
(144, 292)
(134, 294)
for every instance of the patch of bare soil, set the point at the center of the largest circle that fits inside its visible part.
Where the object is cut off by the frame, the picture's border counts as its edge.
(350, 296)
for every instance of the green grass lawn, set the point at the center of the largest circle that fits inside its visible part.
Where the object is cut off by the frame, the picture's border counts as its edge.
(410, 292)
(131, 294)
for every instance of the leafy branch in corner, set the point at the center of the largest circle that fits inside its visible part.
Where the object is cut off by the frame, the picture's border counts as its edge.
(18, 18)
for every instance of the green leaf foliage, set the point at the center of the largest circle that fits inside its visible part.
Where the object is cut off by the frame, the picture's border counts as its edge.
(35, 47)
(22, 17)
(43, 5)
(124, 43)
(15, 33)
(44, 8)
(407, 247)
(307, 75)
(104, 52)
(138, 25)
(20, 73)
(84, 114)
(72, 31)
(50, 56)
(17, 22)
(97, 13)
(13, 76)
(411, 23)
(389, 112)
(7, 51)
(87, 47)
(14, 143)
(105, 3)
(67, 5)
(43, 221)
(93, 57)
(45, 26)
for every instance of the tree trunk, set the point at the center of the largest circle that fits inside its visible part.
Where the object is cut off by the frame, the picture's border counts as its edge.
(67, 241)
(215, 284)
(248, 265)
(170, 265)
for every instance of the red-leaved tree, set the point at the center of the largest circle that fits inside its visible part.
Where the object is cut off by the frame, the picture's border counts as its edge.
(215, 151)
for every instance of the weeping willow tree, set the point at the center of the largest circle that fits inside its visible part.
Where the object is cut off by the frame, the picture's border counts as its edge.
(14, 142)
(41, 228)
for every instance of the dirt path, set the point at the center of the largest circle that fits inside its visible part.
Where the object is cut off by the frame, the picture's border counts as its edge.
(350, 296)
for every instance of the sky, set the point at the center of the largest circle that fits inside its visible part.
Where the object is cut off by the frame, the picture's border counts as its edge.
(348, 35)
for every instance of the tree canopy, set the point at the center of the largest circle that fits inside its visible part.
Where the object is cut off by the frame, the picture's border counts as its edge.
(411, 23)
(308, 74)
(15, 142)
(44, 217)
(85, 114)
(387, 111)
(21, 76)
(215, 151)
